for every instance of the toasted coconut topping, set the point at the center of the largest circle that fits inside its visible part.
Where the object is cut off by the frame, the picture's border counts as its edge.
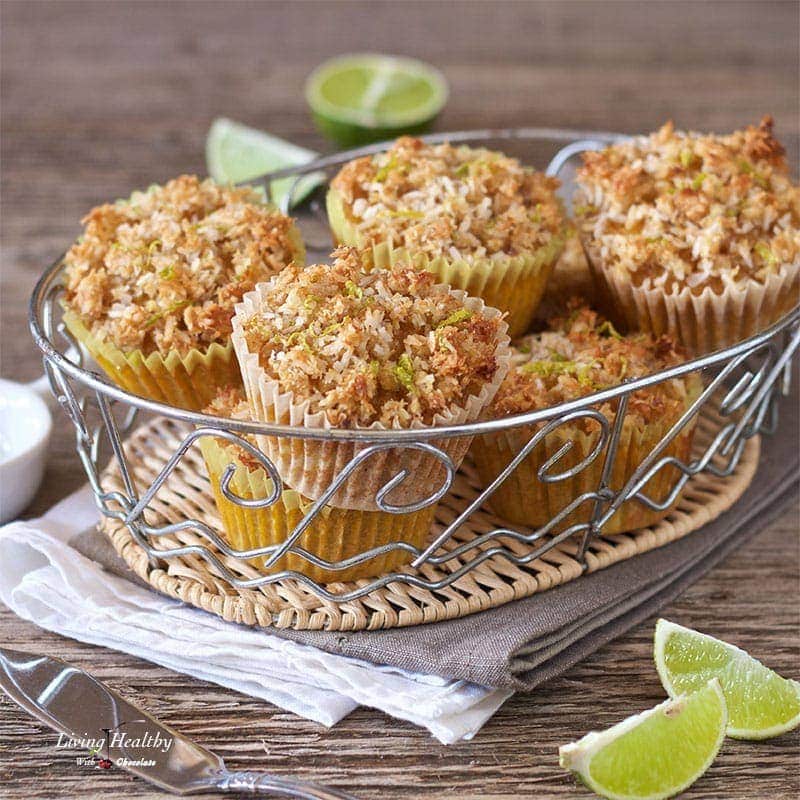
(583, 353)
(685, 209)
(384, 346)
(230, 402)
(455, 202)
(163, 270)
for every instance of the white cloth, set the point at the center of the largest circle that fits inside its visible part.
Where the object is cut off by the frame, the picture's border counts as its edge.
(46, 581)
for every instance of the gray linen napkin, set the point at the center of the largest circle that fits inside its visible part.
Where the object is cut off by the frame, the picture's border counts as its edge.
(522, 644)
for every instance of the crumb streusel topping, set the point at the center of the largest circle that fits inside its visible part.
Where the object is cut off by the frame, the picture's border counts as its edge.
(681, 209)
(581, 354)
(385, 346)
(163, 270)
(230, 402)
(450, 201)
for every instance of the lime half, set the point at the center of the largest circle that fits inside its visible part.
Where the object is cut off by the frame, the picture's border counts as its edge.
(760, 702)
(236, 153)
(357, 99)
(655, 754)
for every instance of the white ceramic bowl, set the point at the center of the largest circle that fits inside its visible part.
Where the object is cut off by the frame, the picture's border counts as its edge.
(25, 425)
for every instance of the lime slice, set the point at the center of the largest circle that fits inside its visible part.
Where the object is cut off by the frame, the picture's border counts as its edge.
(655, 754)
(236, 153)
(760, 702)
(357, 99)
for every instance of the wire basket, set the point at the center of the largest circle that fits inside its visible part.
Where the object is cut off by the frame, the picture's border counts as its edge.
(741, 382)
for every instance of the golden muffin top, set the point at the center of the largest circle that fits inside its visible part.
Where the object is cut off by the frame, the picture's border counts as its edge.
(456, 202)
(583, 353)
(163, 270)
(363, 347)
(679, 210)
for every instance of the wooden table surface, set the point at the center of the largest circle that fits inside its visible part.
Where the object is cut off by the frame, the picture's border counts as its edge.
(100, 98)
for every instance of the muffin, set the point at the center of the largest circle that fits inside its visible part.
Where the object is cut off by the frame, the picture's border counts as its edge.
(151, 285)
(578, 355)
(334, 534)
(334, 346)
(477, 219)
(693, 235)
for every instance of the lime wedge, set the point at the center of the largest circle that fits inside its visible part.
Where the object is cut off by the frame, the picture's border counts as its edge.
(655, 754)
(236, 153)
(761, 703)
(357, 99)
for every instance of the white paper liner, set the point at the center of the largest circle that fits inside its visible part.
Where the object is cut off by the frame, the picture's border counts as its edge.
(701, 323)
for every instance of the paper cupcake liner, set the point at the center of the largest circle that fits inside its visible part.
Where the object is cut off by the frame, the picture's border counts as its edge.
(187, 381)
(525, 500)
(334, 535)
(310, 466)
(701, 323)
(514, 284)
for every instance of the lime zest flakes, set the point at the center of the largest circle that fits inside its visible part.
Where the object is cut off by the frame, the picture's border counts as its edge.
(748, 169)
(168, 273)
(698, 180)
(404, 372)
(543, 368)
(462, 315)
(548, 368)
(123, 248)
(408, 213)
(151, 251)
(607, 329)
(687, 157)
(331, 329)
(293, 337)
(383, 173)
(463, 170)
(353, 290)
(763, 251)
(300, 338)
(177, 306)
(169, 310)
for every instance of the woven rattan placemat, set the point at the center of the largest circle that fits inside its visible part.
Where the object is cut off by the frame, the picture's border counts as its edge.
(289, 604)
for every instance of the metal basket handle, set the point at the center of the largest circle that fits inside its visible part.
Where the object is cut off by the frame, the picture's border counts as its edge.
(558, 161)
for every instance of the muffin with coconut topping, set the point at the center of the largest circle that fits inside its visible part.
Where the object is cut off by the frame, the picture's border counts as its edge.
(692, 234)
(477, 219)
(333, 535)
(151, 284)
(578, 355)
(335, 346)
